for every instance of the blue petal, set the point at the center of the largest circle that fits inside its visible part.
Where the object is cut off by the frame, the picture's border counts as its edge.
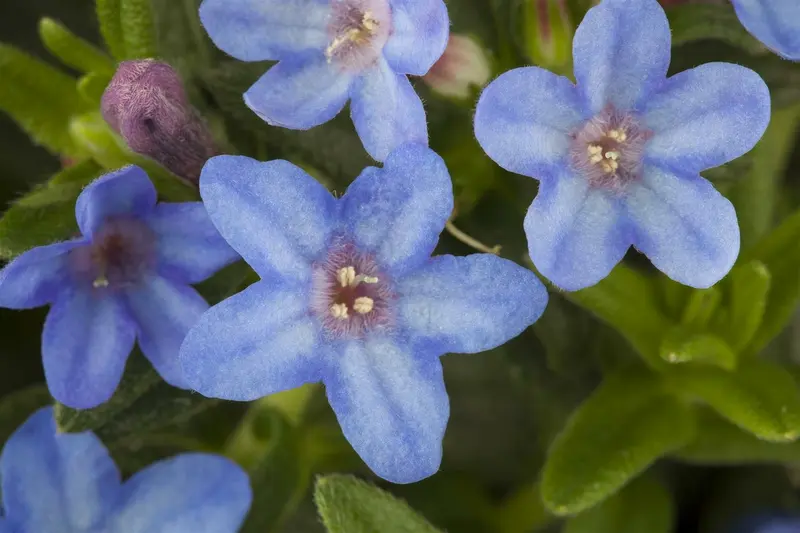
(621, 52)
(253, 344)
(189, 247)
(197, 493)
(386, 111)
(274, 214)
(470, 304)
(420, 29)
(684, 226)
(392, 405)
(125, 192)
(56, 481)
(523, 120)
(707, 116)
(397, 213)
(255, 30)
(776, 23)
(87, 338)
(164, 312)
(300, 93)
(34, 278)
(575, 233)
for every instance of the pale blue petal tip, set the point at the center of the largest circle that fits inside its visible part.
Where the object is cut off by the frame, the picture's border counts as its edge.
(776, 23)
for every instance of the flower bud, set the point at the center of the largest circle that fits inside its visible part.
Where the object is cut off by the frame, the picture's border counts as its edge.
(548, 33)
(463, 64)
(146, 104)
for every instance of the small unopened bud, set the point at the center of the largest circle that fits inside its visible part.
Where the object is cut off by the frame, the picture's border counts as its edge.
(548, 33)
(464, 64)
(146, 104)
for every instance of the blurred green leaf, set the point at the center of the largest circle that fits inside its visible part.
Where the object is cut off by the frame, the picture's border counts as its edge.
(700, 307)
(628, 301)
(40, 99)
(622, 428)
(92, 86)
(749, 290)
(72, 50)
(109, 18)
(644, 506)
(679, 346)
(349, 505)
(760, 397)
(47, 214)
(138, 28)
(16, 407)
(780, 253)
(719, 442)
(696, 21)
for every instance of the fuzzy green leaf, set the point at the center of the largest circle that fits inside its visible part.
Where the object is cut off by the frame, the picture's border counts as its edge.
(40, 99)
(47, 214)
(696, 21)
(643, 506)
(138, 28)
(749, 290)
(72, 50)
(681, 347)
(349, 505)
(622, 428)
(719, 442)
(109, 17)
(760, 397)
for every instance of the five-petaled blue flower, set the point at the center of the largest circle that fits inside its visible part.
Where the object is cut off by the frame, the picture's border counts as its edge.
(330, 51)
(618, 156)
(776, 23)
(68, 483)
(128, 276)
(350, 296)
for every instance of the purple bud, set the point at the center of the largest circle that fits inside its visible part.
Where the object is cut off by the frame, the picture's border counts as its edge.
(463, 65)
(146, 104)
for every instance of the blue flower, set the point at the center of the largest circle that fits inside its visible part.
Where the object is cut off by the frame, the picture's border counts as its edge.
(68, 483)
(776, 23)
(127, 277)
(350, 296)
(618, 156)
(767, 523)
(330, 51)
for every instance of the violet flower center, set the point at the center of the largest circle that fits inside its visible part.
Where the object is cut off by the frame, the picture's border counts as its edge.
(608, 148)
(121, 251)
(350, 295)
(358, 30)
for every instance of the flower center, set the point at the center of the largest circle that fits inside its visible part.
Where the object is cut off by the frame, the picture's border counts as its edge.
(358, 30)
(120, 253)
(350, 296)
(608, 148)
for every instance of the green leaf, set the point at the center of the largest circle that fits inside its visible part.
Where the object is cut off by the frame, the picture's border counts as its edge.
(780, 253)
(72, 50)
(749, 290)
(682, 347)
(696, 21)
(628, 301)
(622, 428)
(349, 505)
(643, 506)
(40, 99)
(16, 407)
(138, 28)
(109, 18)
(719, 442)
(700, 307)
(92, 86)
(760, 397)
(47, 214)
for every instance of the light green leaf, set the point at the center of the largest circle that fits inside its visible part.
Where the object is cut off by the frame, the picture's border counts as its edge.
(749, 290)
(138, 28)
(644, 506)
(349, 505)
(700, 307)
(92, 86)
(760, 397)
(72, 50)
(680, 346)
(697, 21)
(47, 214)
(622, 428)
(40, 99)
(110, 20)
(719, 442)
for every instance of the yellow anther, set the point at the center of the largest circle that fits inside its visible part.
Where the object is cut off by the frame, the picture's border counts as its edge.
(369, 25)
(618, 135)
(369, 22)
(610, 165)
(612, 155)
(339, 311)
(363, 305)
(346, 276)
(594, 149)
(100, 282)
